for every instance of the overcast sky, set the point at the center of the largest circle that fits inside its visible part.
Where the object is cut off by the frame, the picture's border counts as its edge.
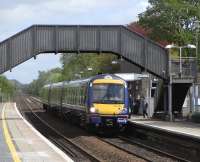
(16, 15)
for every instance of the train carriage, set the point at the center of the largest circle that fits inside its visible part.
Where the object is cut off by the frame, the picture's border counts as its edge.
(100, 101)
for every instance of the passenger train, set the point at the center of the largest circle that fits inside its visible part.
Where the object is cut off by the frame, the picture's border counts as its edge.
(98, 102)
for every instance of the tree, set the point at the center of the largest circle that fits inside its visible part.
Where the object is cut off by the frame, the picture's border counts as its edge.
(74, 66)
(77, 65)
(51, 76)
(6, 87)
(171, 20)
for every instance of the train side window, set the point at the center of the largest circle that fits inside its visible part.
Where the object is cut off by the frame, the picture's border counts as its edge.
(64, 93)
(73, 96)
(77, 96)
(81, 95)
(67, 95)
(85, 95)
(70, 95)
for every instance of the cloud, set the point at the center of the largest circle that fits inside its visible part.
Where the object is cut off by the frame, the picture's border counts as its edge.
(20, 14)
(28, 70)
(17, 15)
(32, 12)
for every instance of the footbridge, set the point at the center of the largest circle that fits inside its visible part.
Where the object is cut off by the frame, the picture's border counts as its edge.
(81, 38)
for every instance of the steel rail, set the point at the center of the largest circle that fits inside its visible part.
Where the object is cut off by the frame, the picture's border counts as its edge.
(123, 149)
(84, 152)
(153, 149)
(161, 153)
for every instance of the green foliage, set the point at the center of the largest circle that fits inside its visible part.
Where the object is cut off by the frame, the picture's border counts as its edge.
(171, 20)
(6, 88)
(76, 66)
(196, 117)
(50, 76)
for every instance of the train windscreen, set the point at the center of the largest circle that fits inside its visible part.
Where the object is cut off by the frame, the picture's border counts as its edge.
(108, 93)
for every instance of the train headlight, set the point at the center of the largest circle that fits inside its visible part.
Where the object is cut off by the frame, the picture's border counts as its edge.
(92, 110)
(124, 110)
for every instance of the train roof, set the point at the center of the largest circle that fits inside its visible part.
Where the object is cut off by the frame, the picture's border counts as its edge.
(72, 83)
(78, 82)
(83, 81)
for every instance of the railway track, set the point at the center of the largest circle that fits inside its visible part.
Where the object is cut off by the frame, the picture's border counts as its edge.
(153, 149)
(99, 150)
(68, 146)
(143, 152)
(148, 153)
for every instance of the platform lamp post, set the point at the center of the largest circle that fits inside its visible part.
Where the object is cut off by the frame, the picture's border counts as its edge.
(169, 84)
(197, 27)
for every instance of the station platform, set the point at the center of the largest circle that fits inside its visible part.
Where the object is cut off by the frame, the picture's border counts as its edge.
(184, 128)
(19, 141)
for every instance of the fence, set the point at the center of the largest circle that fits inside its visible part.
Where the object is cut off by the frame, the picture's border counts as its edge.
(186, 68)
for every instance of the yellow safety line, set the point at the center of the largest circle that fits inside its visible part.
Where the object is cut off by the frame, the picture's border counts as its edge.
(8, 138)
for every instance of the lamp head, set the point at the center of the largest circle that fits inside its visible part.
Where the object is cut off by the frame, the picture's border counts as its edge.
(169, 46)
(191, 46)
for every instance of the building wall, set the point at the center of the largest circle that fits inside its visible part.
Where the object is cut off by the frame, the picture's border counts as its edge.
(140, 87)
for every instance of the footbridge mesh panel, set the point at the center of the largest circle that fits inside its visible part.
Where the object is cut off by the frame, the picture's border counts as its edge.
(80, 38)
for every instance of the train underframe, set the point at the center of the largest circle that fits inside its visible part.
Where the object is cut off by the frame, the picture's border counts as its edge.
(95, 122)
(107, 121)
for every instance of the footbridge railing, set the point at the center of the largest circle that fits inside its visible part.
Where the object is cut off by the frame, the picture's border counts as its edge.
(83, 38)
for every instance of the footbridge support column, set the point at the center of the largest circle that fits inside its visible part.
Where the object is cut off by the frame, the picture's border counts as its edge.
(170, 100)
(167, 100)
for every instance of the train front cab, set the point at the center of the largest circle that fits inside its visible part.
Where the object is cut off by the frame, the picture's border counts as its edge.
(108, 103)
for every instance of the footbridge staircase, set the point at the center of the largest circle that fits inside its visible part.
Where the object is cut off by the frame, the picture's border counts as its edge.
(180, 84)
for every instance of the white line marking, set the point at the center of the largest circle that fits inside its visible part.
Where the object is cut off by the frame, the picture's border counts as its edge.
(55, 148)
